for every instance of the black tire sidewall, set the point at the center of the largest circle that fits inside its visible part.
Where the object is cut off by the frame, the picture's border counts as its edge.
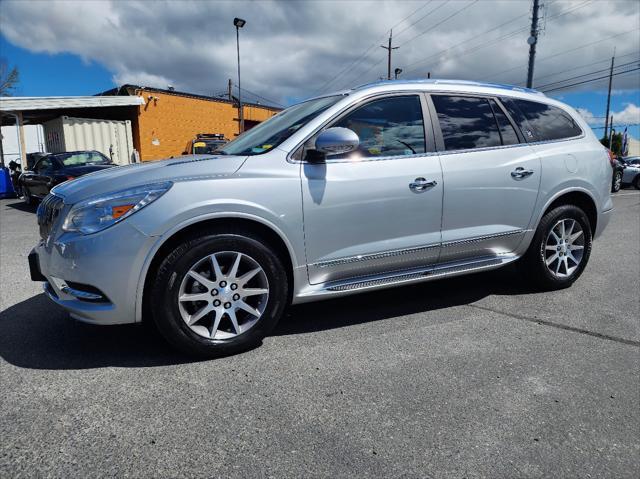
(536, 255)
(165, 309)
(615, 186)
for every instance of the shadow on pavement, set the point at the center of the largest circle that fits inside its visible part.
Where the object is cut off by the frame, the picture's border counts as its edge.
(20, 205)
(38, 334)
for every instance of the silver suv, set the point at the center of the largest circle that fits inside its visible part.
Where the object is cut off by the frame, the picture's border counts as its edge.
(385, 185)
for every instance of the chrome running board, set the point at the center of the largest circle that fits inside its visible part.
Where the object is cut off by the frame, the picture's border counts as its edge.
(399, 278)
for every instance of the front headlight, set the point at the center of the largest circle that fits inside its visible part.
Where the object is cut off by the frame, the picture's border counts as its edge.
(98, 213)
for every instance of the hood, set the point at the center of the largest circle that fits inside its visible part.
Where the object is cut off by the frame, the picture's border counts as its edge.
(123, 177)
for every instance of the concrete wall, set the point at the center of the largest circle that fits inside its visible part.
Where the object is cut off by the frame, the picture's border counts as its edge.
(167, 123)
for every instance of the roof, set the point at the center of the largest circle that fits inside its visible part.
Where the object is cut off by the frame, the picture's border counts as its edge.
(26, 103)
(128, 88)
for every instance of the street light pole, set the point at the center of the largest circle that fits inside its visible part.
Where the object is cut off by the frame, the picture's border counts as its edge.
(239, 23)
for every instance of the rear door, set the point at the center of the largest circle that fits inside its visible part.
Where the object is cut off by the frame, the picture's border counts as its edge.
(491, 177)
(378, 209)
(38, 181)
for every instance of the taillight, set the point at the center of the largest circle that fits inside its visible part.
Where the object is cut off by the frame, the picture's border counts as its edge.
(71, 177)
(612, 158)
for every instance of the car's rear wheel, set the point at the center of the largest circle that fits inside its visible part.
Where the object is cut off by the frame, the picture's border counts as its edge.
(617, 182)
(219, 294)
(560, 248)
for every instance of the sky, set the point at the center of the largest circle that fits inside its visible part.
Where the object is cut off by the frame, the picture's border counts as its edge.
(297, 49)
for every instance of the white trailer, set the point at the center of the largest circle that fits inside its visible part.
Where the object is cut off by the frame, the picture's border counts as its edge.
(112, 138)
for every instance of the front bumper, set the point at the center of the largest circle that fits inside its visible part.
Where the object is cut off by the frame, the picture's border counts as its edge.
(94, 277)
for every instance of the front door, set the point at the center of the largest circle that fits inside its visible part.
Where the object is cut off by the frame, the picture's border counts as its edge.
(491, 178)
(377, 209)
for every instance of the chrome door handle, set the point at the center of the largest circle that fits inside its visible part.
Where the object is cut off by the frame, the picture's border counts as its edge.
(421, 184)
(520, 173)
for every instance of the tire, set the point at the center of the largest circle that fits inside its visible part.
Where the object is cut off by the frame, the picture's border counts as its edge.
(636, 182)
(617, 182)
(175, 274)
(534, 262)
(28, 199)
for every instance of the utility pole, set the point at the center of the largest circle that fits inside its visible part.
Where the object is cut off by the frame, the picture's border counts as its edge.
(230, 90)
(389, 48)
(606, 120)
(532, 40)
(611, 135)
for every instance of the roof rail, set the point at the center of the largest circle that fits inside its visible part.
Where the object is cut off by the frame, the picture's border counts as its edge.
(500, 86)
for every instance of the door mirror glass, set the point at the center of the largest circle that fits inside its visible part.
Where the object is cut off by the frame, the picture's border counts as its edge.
(337, 140)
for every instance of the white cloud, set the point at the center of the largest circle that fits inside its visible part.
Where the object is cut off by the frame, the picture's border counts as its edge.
(294, 49)
(630, 115)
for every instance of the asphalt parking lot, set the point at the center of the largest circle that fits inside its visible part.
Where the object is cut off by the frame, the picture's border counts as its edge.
(469, 377)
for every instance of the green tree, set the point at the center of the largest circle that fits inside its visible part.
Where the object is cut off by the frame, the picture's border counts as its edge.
(616, 143)
(9, 78)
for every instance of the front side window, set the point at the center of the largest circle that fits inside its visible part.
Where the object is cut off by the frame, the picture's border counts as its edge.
(466, 122)
(547, 122)
(43, 165)
(392, 126)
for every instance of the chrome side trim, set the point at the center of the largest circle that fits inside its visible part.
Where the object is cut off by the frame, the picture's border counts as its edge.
(398, 278)
(81, 294)
(400, 252)
(372, 256)
(479, 239)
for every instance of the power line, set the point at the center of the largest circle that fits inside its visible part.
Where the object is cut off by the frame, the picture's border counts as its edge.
(564, 52)
(589, 81)
(363, 55)
(259, 96)
(422, 17)
(496, 40)
(587, 74)
(440, 53)
(457, 12)
(606, 60)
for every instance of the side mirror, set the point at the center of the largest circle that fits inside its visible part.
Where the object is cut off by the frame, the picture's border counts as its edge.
(337, 140)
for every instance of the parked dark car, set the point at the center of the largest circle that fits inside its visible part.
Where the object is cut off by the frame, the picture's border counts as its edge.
(618, 171)
(57, 168)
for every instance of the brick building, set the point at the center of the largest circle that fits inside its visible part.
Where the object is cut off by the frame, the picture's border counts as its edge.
(169, 120)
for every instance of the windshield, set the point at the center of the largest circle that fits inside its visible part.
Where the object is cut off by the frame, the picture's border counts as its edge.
(278, 128)
(83, 158)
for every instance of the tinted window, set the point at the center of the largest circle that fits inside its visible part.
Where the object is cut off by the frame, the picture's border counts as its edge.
(466, 122)
(518, 118)
(388, 127)
(507, 132)
(42, 165)
(548, 122)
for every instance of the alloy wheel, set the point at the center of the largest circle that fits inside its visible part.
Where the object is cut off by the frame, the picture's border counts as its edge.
(617, 184)
(564, 248)
(223, 295)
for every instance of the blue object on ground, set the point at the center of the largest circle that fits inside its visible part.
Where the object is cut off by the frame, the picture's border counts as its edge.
(6, 187)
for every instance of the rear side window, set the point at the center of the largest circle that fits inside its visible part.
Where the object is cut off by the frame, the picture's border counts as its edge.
(466, 122)
(546, 122)
(392, 126)
(507, 132)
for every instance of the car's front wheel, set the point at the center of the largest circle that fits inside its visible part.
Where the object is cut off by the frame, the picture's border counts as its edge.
(560, 248)
(219, 294)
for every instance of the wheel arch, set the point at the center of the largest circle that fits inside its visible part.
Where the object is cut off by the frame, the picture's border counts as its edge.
(579, 198)
(269, 232)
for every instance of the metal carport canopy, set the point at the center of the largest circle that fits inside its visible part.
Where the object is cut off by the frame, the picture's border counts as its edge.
(39, 109)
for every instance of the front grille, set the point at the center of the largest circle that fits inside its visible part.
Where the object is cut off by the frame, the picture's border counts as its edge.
(48, 212)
